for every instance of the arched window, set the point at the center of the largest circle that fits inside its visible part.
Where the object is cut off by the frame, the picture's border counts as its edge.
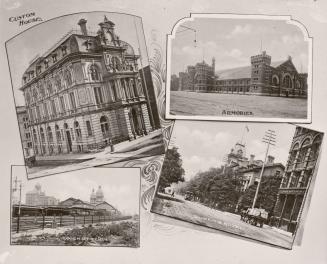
(94, 73)
(287, 82)
(68, 78)
(116, 63)
(306, 142)
(104, 126)
(66, 126)
(58, 134)
(50, 136)
(298, 84)
(275, 80)
(77, 130)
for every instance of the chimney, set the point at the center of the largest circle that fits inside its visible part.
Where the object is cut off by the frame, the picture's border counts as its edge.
(270, 160)
(251, 158)
(289, 58)
(82, 24)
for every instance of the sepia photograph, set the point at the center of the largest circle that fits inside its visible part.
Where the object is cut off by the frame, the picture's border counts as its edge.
(249, 179)
(84, 94)
(91, 207)
(239, 68)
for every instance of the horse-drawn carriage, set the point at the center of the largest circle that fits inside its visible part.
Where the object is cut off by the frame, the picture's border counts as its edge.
(254, 216)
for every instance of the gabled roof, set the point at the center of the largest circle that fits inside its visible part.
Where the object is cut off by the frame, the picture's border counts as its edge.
(275, 64)
(235, 73)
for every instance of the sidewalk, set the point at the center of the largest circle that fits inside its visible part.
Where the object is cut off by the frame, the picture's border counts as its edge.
(150, 145)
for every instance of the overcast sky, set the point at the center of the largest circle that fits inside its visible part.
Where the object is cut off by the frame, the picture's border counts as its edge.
(203, 145)
(23, 48)
(233, 41)
(121, 187)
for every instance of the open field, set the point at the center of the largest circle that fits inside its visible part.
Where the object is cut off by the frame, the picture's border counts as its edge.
(217, 104)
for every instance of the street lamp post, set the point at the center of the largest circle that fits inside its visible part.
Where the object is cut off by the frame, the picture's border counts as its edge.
(269, 139)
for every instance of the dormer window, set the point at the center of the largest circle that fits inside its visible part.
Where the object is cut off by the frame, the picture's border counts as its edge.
(64, 50)
(88, 44)
(94, 73)
(24, 79)
(31, 74)
(46, 63)
(38, 69)
(54, 58)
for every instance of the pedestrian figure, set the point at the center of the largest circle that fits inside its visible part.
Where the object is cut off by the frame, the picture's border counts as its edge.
(112, 147)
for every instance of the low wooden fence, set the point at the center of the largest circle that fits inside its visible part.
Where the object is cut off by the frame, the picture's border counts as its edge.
(24, 223)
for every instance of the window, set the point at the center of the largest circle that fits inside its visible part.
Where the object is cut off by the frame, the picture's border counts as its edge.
(113, 90)
(77, 130)
(98, 95)
(54, 58)
(53, 108)
(72, 100)
(58, 83)
(89, 129)
(34, 135)
(62, 104)
(46, 63)
(50, 137)
(58, 134)
(68, 78)
(49, 88)
(45, 110)
(64, 50)
(104, 126)
(94, 73)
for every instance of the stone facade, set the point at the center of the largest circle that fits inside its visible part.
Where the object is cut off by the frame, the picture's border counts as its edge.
(199, 78)
(85, 93)
(263, 77)
(299, 171)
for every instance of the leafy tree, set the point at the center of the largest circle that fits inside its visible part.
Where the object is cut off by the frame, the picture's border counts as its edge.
(267, 195)
(172, 169)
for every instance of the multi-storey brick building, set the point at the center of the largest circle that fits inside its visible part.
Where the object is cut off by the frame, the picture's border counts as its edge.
(263, 77)
(24, 130)
(198, 78)
(86, 92)
(299, 171)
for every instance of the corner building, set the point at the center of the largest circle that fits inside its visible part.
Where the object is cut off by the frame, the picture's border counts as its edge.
(299, 171)
(86, 92)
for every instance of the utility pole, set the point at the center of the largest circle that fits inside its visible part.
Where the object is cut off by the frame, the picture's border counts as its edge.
(269, 139)
(19, 205)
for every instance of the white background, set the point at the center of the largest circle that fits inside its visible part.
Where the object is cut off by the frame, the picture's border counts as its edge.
(161, 244)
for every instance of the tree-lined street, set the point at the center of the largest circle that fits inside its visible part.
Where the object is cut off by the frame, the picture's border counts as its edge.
(197, 213)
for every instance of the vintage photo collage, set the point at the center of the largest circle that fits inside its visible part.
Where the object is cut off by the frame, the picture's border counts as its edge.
(218, 139)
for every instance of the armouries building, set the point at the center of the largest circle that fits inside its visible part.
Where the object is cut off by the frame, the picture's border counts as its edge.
(262, 77)
(299, 171)
(86, 92)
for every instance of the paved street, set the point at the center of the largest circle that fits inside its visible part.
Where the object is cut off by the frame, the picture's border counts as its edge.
(214, 104)
(199, 214)
(150, 145)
